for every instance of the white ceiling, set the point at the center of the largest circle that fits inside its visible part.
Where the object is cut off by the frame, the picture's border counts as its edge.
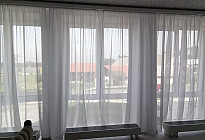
(176, 4)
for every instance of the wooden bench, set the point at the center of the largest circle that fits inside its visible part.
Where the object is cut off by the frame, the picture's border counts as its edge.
(173, 128)
(102, 131)
(10, 135)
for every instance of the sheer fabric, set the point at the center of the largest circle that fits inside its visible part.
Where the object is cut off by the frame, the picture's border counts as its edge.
(21, 66)
(86, 70)
(141, 96)
(180, 63)
(55, 75)
(99, 68)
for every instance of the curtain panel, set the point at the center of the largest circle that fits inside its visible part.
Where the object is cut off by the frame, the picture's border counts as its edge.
(180, 66)
(141, 95)
(87, 65)
(21, 66)
(68, 68)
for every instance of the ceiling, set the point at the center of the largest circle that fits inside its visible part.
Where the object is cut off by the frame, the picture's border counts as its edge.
(175, 4)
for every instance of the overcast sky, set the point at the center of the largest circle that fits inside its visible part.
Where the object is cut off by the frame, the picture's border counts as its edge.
(83, 43)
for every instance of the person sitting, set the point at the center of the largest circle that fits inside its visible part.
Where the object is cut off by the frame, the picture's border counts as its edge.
(26, 132)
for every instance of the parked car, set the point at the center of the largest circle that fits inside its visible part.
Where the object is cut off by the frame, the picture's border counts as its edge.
(159, 87)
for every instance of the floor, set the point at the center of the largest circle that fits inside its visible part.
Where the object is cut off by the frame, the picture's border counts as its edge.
(198, 135)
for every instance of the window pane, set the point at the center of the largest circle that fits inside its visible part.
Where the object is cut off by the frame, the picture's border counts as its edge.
(181, 57)
(28, 57)
(83, 97)
(116, 72)
(82, 61)
(116, 60)
(28, 63)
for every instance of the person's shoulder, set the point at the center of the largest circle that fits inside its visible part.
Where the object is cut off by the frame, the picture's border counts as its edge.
(27, 128)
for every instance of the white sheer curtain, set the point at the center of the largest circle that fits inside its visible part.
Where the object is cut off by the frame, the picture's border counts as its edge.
(55, 74)
(86, 70)
(99, 68)
(141, 103)
(20, 67)
(85, 56)
(180, 63)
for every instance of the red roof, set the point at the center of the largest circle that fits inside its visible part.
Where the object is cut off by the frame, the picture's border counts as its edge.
(82, 67)
(91, 67)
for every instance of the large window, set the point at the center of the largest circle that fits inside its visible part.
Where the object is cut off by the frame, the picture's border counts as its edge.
(82, 61)
(116, 61)
(26, 58)
(83, 74)
(177, 63)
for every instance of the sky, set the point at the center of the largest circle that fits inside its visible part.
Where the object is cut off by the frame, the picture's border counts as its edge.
(27, 40)
(115, 44)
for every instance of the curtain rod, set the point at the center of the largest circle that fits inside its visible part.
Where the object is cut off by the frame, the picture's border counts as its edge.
(101, 7)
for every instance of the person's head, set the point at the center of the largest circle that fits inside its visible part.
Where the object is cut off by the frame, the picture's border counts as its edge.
(27, 123)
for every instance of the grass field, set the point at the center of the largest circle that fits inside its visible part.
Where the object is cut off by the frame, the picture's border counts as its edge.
(25, 83)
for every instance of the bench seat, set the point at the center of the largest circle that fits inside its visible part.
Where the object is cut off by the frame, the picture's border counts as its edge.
(102, 131)
(172, 128)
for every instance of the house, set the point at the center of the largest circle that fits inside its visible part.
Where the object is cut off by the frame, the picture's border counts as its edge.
(118, 70)
(84, 72)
